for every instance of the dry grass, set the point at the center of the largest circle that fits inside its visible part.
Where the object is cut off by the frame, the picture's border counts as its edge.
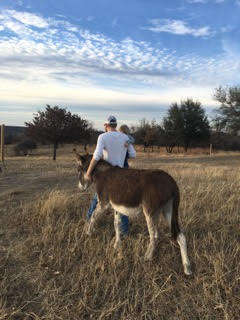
(50, 270)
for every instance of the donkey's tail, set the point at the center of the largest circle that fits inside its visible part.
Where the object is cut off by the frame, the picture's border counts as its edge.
(175, 229)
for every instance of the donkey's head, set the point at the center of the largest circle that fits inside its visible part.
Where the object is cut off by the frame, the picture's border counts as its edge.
(83, 162)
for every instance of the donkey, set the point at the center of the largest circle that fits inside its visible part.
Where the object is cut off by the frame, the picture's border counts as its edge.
(131, 191)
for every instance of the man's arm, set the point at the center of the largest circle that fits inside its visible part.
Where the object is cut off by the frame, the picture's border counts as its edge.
(130, 140)
(92, 165)
(97, 155)
(131, 151)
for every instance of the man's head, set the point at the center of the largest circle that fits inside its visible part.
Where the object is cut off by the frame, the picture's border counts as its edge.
(111, 123)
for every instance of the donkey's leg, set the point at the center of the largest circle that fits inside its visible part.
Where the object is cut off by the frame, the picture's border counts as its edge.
(117, 226)
(172, 220)
(98, 211)
(181, 239)
(153, 233)
(168, 211)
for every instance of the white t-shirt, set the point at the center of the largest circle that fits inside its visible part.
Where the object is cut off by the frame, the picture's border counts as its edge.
(110, 147)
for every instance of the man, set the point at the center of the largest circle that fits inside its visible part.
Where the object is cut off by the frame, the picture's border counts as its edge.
(111, 147)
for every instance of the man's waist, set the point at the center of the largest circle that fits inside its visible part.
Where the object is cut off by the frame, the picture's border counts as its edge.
(118, 163)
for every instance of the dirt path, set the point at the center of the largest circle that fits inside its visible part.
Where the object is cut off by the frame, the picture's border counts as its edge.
(27, 186)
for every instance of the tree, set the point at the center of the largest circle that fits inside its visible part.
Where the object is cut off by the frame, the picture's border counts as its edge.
(229, 111)
(57, 125)
(186, 123)
(147, 133)
(139, 131)
(173, 127)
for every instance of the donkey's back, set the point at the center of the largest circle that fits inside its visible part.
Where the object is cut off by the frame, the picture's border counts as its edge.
(134, 187)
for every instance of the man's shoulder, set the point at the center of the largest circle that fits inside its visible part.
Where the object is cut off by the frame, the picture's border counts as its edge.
(113, 133)
(102, 135)
(124, 135)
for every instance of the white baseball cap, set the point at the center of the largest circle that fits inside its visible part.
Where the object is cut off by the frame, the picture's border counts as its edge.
(111, 120)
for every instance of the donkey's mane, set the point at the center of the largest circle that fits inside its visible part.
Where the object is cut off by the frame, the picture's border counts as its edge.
(102, 165)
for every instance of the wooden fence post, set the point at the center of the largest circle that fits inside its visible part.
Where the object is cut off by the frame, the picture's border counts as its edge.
(2, 143)
(210, 149)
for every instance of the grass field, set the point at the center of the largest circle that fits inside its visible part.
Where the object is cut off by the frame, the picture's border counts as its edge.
(50, 270)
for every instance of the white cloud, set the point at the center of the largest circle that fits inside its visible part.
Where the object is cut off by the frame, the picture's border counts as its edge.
(178, 27)
(232, 49)
(69, 55)
(95, 103)
(237, 2)
(66, 65)
(62, 23)
(28, 18)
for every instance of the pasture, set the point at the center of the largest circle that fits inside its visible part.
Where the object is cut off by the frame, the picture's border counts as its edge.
(51, 270)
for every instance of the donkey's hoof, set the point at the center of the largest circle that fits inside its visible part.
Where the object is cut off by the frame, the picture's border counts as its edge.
(187, 269)
(116, 245)
(88, 230)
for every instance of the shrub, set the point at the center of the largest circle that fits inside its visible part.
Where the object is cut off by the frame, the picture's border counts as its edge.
(25, 147)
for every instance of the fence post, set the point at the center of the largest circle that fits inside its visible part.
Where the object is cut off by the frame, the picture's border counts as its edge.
(210, 149)
(2, 143)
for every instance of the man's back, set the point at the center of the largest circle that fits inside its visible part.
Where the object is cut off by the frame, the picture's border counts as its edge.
(111, 146)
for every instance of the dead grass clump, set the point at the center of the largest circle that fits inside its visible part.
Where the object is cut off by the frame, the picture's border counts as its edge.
(51, 270)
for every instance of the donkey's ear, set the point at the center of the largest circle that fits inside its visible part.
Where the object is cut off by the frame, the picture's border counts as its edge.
(80, 159)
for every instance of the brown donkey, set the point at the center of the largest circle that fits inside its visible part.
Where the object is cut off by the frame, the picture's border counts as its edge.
(131, 191)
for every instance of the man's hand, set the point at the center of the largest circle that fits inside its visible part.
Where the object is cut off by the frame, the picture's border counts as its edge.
(88, 174)
(87, 177)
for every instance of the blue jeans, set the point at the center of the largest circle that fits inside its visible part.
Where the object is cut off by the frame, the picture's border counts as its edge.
(126, 161)
(124, 219)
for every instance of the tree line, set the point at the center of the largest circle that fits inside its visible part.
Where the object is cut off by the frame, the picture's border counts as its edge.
(185, 125)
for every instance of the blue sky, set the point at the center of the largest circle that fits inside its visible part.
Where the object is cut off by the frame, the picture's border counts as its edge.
(128, 58)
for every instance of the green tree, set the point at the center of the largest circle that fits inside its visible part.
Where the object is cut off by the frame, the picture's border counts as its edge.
(228, 117)
(173, 127)
(57, 125)
(186, 124)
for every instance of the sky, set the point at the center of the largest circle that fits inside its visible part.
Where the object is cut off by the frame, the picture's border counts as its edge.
(129, 58)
